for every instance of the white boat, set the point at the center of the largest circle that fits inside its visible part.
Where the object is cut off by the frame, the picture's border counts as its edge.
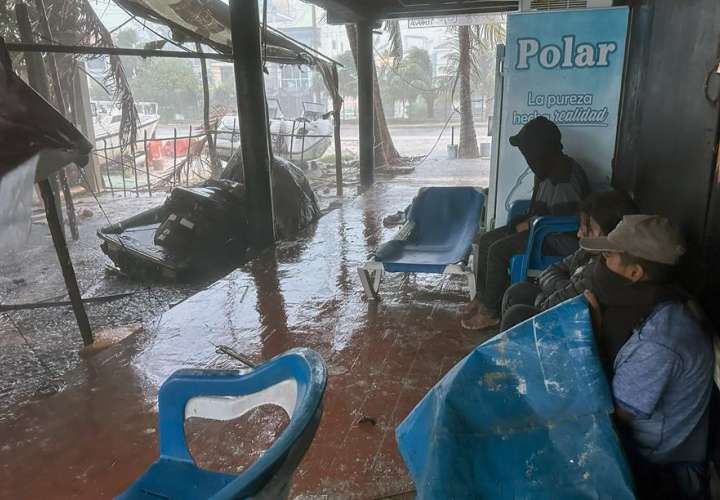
(106, 123)
(302, 139)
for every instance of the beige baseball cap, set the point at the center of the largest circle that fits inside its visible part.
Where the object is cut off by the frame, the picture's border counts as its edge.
(649, 237)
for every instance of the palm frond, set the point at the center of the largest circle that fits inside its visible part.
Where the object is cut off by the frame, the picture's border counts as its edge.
(75, 22)
(395, 48)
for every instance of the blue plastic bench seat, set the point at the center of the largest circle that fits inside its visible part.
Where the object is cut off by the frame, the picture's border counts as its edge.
(533, 261)
(437, 239)
(294, 381)
(525, 415)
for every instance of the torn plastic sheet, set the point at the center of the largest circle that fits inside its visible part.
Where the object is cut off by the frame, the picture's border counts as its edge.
(16, 196)
(525, 415)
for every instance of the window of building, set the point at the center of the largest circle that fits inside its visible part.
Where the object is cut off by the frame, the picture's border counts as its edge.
(294, 77)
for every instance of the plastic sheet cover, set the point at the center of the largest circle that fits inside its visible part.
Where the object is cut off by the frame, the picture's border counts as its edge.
(526, 415)
(16, 196)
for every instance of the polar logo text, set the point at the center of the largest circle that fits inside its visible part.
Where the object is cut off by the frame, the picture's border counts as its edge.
(567, 54)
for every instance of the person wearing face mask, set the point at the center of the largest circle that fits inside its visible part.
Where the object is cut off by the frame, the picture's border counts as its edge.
(658, 356)
(560, 184)
(599, 213)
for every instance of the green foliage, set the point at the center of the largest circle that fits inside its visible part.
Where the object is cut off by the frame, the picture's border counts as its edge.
(172, 84)
(224, 95)
(347, 74)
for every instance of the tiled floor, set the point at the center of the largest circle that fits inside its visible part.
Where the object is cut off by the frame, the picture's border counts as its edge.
(92, 439)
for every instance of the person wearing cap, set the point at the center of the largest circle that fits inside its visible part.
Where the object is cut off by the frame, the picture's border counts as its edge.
(560, 184)
(657, 354)
(599, 213)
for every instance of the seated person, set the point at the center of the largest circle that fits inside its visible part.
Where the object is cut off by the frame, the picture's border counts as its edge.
(560, 184)
(658, 357)
(599, 214)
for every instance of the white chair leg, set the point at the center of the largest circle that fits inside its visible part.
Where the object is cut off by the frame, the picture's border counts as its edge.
(475, 257)
(370, 281)
(472, 284)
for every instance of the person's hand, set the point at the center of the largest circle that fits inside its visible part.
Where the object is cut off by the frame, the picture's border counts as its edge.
(523, 226)
(595, 313)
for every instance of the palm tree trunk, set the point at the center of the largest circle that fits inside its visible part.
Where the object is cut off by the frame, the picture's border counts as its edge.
(468, 147)
(385, 152)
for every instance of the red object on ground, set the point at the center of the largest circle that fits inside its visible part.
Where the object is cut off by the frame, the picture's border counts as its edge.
(181, 147)
(155, 150)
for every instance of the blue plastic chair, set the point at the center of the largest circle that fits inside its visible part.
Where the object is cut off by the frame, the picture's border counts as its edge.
(294, 381)
(437, 239)
(533, 261)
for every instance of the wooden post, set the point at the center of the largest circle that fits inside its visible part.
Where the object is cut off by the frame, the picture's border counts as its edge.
(65, 262)
(35, 66)
(252, 110)
(365, 65)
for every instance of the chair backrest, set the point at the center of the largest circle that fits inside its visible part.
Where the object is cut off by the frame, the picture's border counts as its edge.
(294, 381)
(440, 212)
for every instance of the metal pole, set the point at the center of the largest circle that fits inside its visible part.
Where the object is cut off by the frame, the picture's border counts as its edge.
(338, 154)
(147, 162)
(187, 159)
(107, 167)
(172, 184)
(134, 167)
(302, 147)
(365, 65)
(232, 138)
(122, 169)
(292, 141)
(252, 109)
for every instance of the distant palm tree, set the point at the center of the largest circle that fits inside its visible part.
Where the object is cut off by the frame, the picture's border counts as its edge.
(385, 152)
(471, 41)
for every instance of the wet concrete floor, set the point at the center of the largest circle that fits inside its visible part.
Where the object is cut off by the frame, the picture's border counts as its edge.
(96, 436)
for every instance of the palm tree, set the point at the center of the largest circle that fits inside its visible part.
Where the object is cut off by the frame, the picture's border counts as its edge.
(385, 152)
(472, 40)
(468, 147)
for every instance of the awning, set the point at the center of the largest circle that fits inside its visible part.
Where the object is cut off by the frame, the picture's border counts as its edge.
(29, 126)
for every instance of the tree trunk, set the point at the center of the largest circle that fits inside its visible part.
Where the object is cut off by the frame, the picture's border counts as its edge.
(385, 152)
(468, 147)
(215, 166)
(430, 103)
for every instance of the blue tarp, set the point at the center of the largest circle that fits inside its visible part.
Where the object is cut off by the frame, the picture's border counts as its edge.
(526, 415)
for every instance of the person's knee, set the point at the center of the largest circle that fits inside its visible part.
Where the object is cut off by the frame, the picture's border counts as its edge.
(520, 293)
(516, 315)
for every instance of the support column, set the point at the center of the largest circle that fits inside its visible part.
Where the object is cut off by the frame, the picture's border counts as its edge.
(365, 64)
(252, 113)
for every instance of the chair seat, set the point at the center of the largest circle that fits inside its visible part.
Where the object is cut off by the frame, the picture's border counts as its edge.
(409, 257)
(446, 221)
(178, 480)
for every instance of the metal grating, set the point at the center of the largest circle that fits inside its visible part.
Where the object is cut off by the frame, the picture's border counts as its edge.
(557, 4)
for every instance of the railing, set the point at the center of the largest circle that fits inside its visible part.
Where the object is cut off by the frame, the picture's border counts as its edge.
(127, 171)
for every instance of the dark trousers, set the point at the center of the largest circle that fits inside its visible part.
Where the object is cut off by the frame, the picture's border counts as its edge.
(496, 247)
(518, 304)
